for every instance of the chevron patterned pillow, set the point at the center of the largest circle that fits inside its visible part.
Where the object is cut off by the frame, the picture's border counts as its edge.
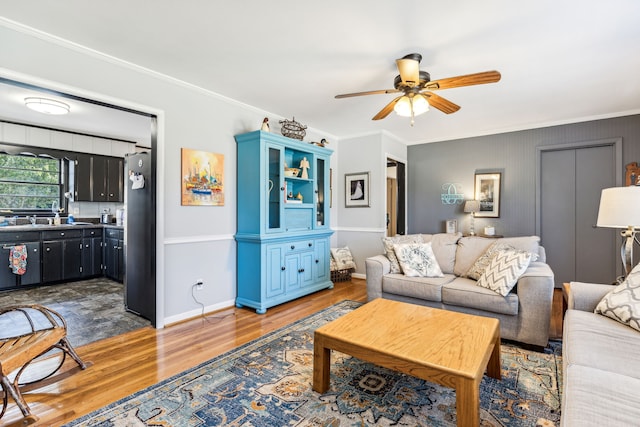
(622, 304)
(502, 273)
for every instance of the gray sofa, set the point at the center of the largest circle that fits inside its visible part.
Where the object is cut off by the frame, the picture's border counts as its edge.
(524, 313)
(601, 364)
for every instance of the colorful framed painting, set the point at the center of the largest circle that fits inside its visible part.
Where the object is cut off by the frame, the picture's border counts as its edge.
(487, 191)
(202, 178)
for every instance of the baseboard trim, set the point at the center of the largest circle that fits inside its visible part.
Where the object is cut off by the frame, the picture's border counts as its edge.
(198, 312)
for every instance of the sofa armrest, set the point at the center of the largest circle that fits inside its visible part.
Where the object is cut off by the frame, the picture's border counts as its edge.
(376, 267)
(586, 296)
(535, 297)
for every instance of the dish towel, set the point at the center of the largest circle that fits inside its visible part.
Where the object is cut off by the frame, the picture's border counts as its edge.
(18, 259)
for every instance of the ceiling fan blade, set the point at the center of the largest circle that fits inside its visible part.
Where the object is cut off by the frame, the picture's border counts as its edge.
(387, 109)
(466, 80)
(371, 92)
(409, 71)
(444, 105)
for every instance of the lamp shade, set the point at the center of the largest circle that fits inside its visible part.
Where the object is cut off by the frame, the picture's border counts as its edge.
(472, 206)
(619, 207)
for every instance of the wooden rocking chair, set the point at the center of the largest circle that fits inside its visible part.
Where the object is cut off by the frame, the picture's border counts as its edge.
(42, 336)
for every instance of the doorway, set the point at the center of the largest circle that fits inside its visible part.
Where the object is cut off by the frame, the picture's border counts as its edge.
(141, 125)
(571, 178)
(396, 197)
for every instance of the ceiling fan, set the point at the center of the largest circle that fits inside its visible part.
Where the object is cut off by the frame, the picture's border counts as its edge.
(417, 88)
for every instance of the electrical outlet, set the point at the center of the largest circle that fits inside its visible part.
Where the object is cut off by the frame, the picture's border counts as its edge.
(199, 284)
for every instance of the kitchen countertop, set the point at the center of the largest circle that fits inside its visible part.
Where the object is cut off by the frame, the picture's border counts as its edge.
(45, 227)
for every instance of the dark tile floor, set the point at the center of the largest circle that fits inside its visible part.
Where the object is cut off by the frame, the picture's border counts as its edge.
(93, 309)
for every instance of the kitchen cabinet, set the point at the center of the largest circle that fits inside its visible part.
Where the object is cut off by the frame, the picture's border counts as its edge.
(92, 253)
(114, 254)
(32, 275)
(61, 255)
(99, 178)
(283, 220)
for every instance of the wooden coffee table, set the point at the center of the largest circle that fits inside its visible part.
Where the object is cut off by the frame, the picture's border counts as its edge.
(445, 347)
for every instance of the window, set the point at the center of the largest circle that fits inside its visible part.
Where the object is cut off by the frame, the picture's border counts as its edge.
(29, 183)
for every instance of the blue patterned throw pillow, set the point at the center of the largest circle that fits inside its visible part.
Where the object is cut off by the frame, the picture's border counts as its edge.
(417, 260)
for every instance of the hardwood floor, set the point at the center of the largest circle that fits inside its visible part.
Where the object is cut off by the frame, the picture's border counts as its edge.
(124, 364)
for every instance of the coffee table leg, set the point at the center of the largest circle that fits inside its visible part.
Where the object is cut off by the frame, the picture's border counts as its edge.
(494, 370)
(321, 364)
(468, 403)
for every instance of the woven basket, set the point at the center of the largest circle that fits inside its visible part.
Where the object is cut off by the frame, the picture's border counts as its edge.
(341, 275)
(293, 129)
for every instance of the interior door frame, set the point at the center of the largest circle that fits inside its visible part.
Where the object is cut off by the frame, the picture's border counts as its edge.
(401, 178)
(615, 142)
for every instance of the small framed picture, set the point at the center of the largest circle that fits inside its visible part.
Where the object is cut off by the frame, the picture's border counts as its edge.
(452, 226)
(487, 192)
(356, 190)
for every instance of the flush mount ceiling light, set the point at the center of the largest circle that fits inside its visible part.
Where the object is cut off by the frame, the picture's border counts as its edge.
(47, 106)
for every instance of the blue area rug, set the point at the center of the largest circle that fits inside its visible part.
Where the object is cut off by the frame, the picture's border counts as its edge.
(267, 382)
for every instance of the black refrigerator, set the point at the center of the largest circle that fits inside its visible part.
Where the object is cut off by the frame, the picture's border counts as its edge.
(140, 236)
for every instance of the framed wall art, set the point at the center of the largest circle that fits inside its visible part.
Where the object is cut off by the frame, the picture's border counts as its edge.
(487, 192)
(356, 190)
(202, 178)
(452, 226)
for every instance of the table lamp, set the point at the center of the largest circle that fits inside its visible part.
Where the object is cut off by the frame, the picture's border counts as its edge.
(472, 206)
(620, 208)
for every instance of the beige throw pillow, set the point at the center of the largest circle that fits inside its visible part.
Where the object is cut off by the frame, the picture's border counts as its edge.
(504, 270)
(388, 243)
(417, 260)
(483, 260)
(344, 259)
(622, 304)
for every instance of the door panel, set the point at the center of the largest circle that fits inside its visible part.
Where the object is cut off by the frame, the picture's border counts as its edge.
(558, 212)
(595, 246)
(571, 181)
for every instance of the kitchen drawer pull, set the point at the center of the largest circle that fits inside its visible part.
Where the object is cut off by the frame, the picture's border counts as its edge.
(301, 270)
(283, 268)
(310, 244)
(293, 247)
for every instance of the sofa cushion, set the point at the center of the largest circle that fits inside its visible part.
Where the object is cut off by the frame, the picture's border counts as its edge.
(444, 247)
(592, 397)
(417, 260)
(388, 243)
(465, 293)
(426, 288)
(622, 304)
(472, 247)
(596, 341)
(468, 250)
(504, 270)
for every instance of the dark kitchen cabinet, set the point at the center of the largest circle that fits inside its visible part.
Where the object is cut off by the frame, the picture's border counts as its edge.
(114, 254)
(92, 253)
(32, 275)
(61, 255)
(99, 178)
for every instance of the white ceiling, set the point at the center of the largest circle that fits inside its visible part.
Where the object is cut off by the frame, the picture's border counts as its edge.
(562, 61)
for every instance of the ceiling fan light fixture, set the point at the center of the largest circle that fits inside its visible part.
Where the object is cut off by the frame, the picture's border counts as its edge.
(420, 105)
(409, 71)
(46, 105)
(403, 107)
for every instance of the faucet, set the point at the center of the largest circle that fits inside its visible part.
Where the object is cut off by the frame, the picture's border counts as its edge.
(32, 219)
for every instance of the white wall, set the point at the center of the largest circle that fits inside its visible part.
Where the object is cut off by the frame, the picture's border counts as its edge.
(362, 228)
(193, 242)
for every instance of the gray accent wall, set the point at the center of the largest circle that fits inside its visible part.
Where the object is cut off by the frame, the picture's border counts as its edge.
(514, 155)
